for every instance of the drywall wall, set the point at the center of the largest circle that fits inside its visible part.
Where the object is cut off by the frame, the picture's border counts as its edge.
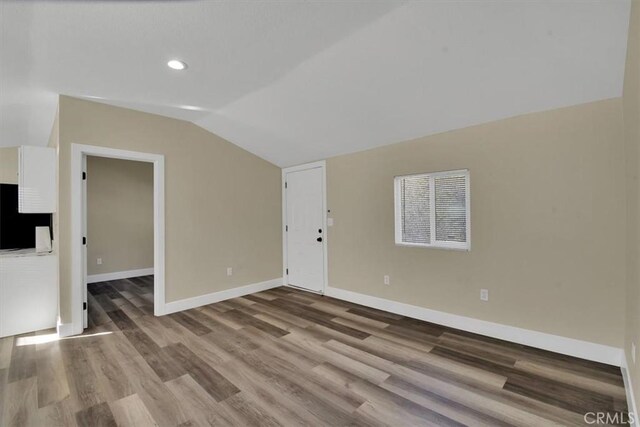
(222, 204)
(9, 165)
(547, 223)
(119, 215)
(631, 111)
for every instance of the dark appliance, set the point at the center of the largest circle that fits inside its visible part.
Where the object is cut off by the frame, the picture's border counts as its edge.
(18, 230)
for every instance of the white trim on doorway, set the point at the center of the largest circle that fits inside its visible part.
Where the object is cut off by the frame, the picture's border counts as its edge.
(319, 164)
(78, 153)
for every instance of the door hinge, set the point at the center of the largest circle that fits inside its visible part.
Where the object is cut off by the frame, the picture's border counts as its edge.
(285, 184)
(84, 305)
(287, 271)
(84, 240)
(84, 176)
(286, 228)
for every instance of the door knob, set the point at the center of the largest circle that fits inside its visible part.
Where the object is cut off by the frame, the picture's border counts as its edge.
(319, 239)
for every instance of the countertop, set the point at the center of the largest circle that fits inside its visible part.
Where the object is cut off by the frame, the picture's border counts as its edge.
(6, 253)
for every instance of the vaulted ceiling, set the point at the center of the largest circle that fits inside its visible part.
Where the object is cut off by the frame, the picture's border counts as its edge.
(296, 81)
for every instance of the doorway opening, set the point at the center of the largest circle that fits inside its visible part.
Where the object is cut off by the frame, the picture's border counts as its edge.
(102, 279)
(119, 230)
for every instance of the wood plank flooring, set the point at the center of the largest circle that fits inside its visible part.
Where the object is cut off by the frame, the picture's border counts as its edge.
(286, 357)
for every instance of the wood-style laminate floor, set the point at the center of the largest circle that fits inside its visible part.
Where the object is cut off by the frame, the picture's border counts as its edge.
(286, 357)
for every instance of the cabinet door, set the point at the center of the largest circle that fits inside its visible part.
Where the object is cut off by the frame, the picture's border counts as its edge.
(37, 180)
(29, 294)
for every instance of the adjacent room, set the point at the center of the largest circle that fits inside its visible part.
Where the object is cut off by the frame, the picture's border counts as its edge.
(119, 230)
(319, 213)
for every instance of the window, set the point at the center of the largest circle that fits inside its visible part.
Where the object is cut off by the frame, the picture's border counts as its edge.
(432, 210)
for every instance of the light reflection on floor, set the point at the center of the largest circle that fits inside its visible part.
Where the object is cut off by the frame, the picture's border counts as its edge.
(43, 339)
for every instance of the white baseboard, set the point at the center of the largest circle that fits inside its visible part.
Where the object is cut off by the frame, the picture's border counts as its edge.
(65, 329)
(95, 278)
(187, 303)
(569, 346)
(628, 386)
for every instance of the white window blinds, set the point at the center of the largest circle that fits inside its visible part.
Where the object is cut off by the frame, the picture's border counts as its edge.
(416, 210)
(432, 210)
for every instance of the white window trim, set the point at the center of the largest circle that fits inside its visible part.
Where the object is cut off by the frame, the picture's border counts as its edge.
(466, 246)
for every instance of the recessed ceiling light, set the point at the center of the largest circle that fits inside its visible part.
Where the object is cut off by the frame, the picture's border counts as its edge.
(177, 65)
(191, 108)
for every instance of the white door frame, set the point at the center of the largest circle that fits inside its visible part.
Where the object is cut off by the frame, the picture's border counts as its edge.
(83, 231)
(323, 166)
(79, 152)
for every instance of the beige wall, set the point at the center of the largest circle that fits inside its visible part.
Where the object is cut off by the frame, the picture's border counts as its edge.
(9, 165)
(631, 103)
(119, 215)
(222, 204)
(547, 223)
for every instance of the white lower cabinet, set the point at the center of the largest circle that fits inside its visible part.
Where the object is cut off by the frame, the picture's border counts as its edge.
(28, 293)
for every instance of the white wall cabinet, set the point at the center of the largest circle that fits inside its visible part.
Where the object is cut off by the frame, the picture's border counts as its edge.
(36, 180)
(28, 293)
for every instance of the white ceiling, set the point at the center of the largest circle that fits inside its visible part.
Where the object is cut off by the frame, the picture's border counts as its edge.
(296, 81)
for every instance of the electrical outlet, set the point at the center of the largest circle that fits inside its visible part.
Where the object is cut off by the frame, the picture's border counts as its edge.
(99, 261)
(386, 280)
(484, 294)
(229, 271)
(633, 352)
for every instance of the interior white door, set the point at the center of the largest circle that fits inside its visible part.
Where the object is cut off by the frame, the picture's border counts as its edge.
(304, 228)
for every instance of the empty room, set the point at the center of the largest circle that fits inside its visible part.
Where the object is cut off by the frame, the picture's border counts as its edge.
(319, 212)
